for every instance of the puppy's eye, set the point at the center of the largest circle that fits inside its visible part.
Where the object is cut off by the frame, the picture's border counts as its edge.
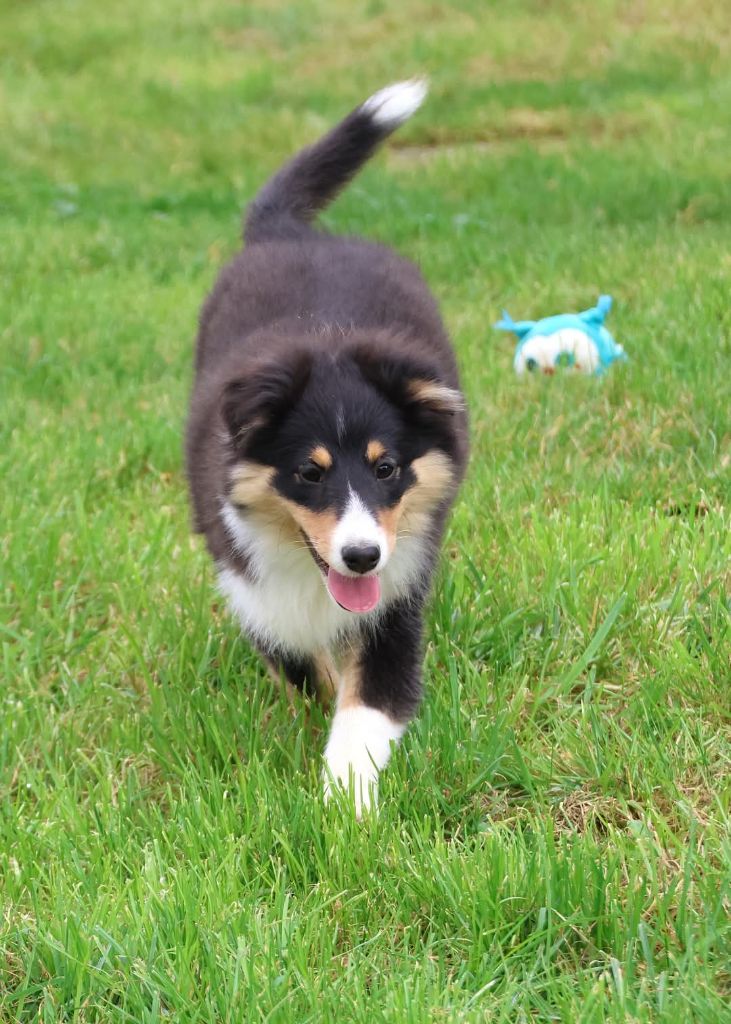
(385, 469)
(310, 473)
(531, 364)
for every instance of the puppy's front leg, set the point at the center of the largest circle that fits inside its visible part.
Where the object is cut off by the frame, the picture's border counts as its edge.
(378, 693)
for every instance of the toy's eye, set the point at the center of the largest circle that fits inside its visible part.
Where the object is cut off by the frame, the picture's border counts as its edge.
(564, 359)
(531, 364)
(385, 469)
(310, 473)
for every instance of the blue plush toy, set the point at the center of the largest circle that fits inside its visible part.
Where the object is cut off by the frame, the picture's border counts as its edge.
(576, 340)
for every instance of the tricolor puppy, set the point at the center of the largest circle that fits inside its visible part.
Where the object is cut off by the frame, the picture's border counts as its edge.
(325, 443)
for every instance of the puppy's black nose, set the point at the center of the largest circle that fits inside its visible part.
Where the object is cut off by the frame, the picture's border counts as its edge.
(361, 559)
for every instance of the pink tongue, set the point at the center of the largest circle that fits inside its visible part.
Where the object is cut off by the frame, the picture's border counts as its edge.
(356, 593)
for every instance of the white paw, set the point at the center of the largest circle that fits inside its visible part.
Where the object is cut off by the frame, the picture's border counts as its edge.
(361, 786)
(395, 104)
(359, 746)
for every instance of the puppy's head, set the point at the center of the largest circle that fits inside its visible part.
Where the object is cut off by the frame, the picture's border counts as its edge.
(345, 450)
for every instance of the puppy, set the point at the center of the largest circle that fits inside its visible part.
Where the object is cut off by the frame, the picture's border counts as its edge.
(326, 440)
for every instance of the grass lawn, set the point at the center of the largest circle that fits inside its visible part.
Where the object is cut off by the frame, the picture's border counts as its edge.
(554, 841)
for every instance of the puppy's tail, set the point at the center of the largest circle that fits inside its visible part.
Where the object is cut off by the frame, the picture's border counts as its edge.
(292, 198)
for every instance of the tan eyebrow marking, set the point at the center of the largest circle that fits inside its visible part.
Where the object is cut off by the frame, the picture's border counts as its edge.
(375, 450)
(321, 457)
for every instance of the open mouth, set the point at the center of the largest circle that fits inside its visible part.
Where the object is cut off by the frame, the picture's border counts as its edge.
(353, 593)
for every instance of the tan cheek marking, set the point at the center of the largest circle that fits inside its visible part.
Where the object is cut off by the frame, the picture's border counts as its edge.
(251, 483)
(318, 526)
(388, 520)
(252, 488)
(375, 450)
(321, 457)
(434, 476)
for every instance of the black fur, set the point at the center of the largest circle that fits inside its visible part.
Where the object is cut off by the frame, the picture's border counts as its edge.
(390, 661)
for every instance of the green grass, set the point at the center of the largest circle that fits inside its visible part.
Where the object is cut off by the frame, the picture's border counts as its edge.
(554, 842)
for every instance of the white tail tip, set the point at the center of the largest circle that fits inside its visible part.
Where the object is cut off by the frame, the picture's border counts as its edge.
(395, 104)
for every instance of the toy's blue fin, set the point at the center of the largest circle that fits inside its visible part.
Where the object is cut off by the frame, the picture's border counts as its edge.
(597, 313)
(519, 327)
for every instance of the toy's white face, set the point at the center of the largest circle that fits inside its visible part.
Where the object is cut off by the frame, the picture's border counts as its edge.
(568, 348)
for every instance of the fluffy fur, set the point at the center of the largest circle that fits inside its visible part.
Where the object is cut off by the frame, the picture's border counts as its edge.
(325, 443)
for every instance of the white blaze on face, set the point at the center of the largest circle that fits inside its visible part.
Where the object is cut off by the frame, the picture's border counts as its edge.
(357, 528)
(544, 350)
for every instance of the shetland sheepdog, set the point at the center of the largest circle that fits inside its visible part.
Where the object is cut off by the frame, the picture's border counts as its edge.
(326, 440)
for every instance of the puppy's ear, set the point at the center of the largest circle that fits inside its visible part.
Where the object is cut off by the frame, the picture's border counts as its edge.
(416, 387)
(258, 398)
(409, 382)
(433, 395)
